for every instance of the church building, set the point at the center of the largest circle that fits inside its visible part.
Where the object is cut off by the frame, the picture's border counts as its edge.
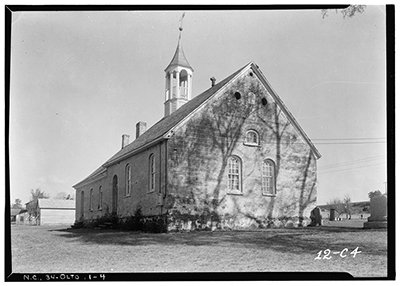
(232, 157)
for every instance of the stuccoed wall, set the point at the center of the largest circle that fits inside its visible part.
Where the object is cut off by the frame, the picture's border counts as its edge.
(198, 154)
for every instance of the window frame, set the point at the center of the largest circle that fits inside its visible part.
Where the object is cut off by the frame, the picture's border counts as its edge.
(238, 174)
(257, 136)
(269, 176)
(128, 180)
(152, 173)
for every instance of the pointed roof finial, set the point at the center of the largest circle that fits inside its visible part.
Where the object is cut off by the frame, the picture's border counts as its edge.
(179, 58)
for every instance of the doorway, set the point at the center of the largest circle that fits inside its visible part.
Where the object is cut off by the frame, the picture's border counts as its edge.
(82, 204)
(115, 194)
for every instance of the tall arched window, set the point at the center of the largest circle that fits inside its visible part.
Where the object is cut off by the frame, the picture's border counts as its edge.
(268, 177)
(128, 177)
(252, 138)
(234, 175)
(152, 173)
(100, 198)
(91, 199)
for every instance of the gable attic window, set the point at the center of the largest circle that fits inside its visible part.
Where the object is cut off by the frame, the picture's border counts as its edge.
(234, 175)
(152, 173)
(128, 177)
(268, 178)
(252, 138)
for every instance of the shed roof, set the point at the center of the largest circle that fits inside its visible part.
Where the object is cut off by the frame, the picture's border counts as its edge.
(56, 204)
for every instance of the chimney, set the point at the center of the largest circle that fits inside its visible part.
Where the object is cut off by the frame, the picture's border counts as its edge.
(213, 80)
(125, 140)
(140, 128)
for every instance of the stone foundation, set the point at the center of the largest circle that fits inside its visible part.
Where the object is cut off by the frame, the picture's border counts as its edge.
(204, 222)
(187, 222)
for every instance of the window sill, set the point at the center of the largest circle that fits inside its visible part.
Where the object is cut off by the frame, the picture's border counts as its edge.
(236, 193)
(251, 144)
(269, 195)
(99, 210)
(151, 191)
(127, 196)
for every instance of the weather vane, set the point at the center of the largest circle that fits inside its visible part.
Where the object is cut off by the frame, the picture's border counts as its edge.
(181, 21)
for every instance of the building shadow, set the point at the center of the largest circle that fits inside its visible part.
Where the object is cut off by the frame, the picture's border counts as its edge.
(296, 241)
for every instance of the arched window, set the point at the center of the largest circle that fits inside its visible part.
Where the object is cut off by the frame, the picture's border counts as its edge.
(252, 138)
(268, 177)
(100, 198)
(152, 173)
(91, 199)
(128, 177)
(234, 175)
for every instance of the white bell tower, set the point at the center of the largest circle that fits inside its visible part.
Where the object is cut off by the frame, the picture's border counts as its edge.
(178, 79)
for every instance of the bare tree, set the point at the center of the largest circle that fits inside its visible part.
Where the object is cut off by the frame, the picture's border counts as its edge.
(347, 205)
(338, 205)
(31, 207)
(348, 12)
(17, 204)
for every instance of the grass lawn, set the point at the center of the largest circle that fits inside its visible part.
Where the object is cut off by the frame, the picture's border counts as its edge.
(59, 249)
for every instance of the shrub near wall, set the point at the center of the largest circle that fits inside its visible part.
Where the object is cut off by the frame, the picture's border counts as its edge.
(136, 222)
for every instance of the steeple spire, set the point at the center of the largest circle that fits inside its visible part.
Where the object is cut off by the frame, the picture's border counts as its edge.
(178, 78)
(179, 58)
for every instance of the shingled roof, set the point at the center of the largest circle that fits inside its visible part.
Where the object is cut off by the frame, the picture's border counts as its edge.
(179, 58)
(160, 129)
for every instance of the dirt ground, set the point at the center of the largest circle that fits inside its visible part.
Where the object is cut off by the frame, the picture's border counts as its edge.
(59, 249)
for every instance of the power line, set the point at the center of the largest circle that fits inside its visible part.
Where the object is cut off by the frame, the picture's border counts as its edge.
(364, 138)
(347, 169)
(359, 161)
(345, 143)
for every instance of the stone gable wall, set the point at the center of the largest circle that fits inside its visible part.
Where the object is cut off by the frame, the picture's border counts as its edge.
(198, 154)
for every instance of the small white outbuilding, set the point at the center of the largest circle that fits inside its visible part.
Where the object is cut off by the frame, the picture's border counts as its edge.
(56, 211)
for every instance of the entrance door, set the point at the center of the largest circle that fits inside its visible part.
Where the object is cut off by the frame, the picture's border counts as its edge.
(115, 194)
(82, 204)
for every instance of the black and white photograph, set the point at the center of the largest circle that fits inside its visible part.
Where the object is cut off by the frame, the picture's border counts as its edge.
(183, 140)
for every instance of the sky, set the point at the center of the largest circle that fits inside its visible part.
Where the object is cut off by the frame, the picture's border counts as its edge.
(79, 80)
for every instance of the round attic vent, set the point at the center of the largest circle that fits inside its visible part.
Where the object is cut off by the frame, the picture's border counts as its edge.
(264, 101)
(237, 95)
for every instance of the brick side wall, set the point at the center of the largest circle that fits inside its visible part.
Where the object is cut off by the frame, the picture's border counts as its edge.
(140, 197)
(198, 156)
